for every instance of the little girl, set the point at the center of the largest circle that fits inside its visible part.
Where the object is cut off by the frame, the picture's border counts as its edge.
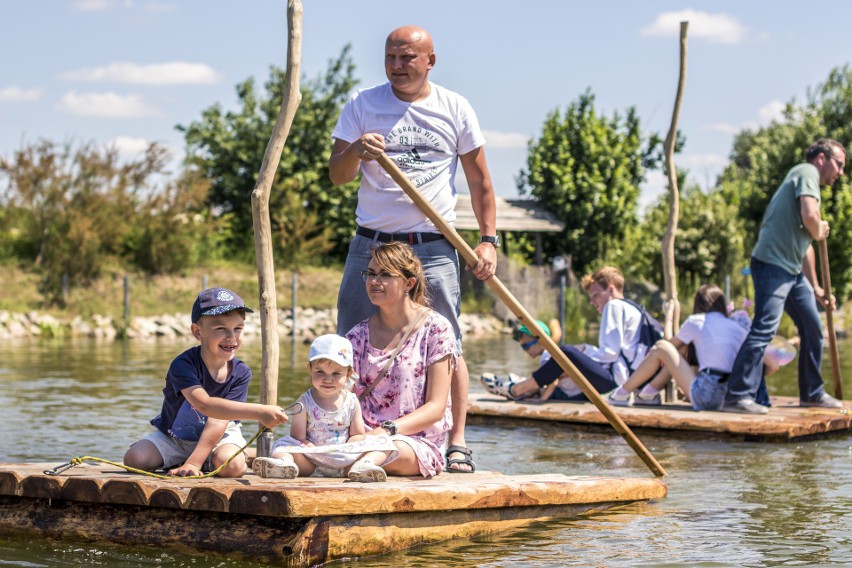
(716, 339)
(332, 416)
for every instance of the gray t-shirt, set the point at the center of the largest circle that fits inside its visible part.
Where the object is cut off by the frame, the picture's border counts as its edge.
(783, 238)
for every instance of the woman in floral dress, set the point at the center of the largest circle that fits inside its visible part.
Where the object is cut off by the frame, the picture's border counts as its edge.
(411, 401)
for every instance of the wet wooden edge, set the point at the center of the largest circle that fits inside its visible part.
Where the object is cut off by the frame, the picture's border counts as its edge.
(286, 542)
(310, 497)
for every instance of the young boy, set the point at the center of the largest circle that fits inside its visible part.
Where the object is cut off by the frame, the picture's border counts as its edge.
(605, 366)
(205, 397)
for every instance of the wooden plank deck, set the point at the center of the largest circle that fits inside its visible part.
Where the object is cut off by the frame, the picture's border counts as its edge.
(786, 421)
(306, 521)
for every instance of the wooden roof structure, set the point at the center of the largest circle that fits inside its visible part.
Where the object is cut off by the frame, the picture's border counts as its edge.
(513, 215)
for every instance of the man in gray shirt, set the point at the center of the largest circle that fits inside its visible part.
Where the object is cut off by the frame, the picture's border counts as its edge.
(783, 269)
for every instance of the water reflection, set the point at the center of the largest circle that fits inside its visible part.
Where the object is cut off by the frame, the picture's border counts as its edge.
(729, 504)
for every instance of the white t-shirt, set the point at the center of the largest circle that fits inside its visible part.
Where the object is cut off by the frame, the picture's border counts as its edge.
(717, 339)
(619, 334)
(424, 138)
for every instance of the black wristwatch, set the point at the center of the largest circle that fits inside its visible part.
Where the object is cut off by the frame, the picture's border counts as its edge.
(389, 426)
(495, 240)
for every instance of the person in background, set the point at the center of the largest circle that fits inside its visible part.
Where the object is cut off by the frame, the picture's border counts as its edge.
(717, 339)
(783, 269)
(605, 365)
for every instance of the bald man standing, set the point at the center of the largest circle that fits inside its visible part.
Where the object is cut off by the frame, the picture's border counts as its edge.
(426, 129)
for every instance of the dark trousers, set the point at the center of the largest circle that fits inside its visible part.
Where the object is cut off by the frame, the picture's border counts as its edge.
(597, 374)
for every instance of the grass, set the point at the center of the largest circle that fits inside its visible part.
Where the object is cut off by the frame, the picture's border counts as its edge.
(167, 294)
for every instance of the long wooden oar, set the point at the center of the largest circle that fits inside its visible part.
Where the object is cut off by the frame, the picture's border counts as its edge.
(512, 303)
(829, 320)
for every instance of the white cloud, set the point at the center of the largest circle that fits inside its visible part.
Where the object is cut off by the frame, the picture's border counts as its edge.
(93, 5)
(773, 111)
(17, 94)
(160, 7)
(107, 105)
(703, 168)
(707, 161)
(654, 186)
(716, 28)
(505, 139)
(129, 147)
(152, 7)
(169, 73)
(726, 127)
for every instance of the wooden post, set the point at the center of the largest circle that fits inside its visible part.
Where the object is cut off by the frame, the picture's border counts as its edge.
(260, 218)
(522, 314)
(294, 288)
(829, 320)
(126, 301)
(672, 307)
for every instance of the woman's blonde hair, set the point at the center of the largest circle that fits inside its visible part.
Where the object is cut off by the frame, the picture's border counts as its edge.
(400, 260)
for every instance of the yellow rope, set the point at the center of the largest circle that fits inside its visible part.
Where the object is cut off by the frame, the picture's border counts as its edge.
(79, 461)
(291, 410)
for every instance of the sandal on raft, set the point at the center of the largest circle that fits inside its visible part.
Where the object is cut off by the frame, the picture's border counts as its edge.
(466, 460)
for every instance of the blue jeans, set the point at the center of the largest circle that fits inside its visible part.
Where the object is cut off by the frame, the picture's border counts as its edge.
(777, 291)
(596, 374)
(707, 391)
(440, 263)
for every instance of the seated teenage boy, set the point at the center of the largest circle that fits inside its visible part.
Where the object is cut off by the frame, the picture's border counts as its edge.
(205, 397)
(605, 366)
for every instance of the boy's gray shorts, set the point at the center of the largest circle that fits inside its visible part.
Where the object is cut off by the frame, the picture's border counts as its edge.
(175, 451)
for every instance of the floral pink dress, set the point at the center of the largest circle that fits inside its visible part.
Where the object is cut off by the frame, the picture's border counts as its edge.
(403, 389)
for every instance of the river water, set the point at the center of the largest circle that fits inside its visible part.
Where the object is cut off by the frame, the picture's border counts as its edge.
(730, 503)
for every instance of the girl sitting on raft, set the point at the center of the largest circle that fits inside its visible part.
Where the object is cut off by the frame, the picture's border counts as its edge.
(717, 339)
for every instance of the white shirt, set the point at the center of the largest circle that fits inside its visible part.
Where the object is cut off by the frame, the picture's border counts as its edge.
(424, 138)
(717, 339)
(619, 334)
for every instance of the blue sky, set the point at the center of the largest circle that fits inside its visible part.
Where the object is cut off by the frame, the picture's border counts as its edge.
(125, 72)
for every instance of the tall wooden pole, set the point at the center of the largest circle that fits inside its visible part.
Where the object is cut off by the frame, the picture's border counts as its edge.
(829, 320)
(672, 305)
(522, 314)
(260, 218)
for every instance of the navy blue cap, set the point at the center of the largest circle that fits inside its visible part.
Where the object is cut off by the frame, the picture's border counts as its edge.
(215, 302)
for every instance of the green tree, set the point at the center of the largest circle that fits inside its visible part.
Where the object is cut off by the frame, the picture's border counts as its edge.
(303, 237)
(586, 169)
(761, 159)
(228, 147)
(175, 229)
(708, 246)
(79, 210)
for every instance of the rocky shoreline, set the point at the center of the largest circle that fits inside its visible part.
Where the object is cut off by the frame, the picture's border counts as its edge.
(310, 323)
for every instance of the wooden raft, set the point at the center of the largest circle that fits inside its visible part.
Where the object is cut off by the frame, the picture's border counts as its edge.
(786, 421)
(306, 521)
